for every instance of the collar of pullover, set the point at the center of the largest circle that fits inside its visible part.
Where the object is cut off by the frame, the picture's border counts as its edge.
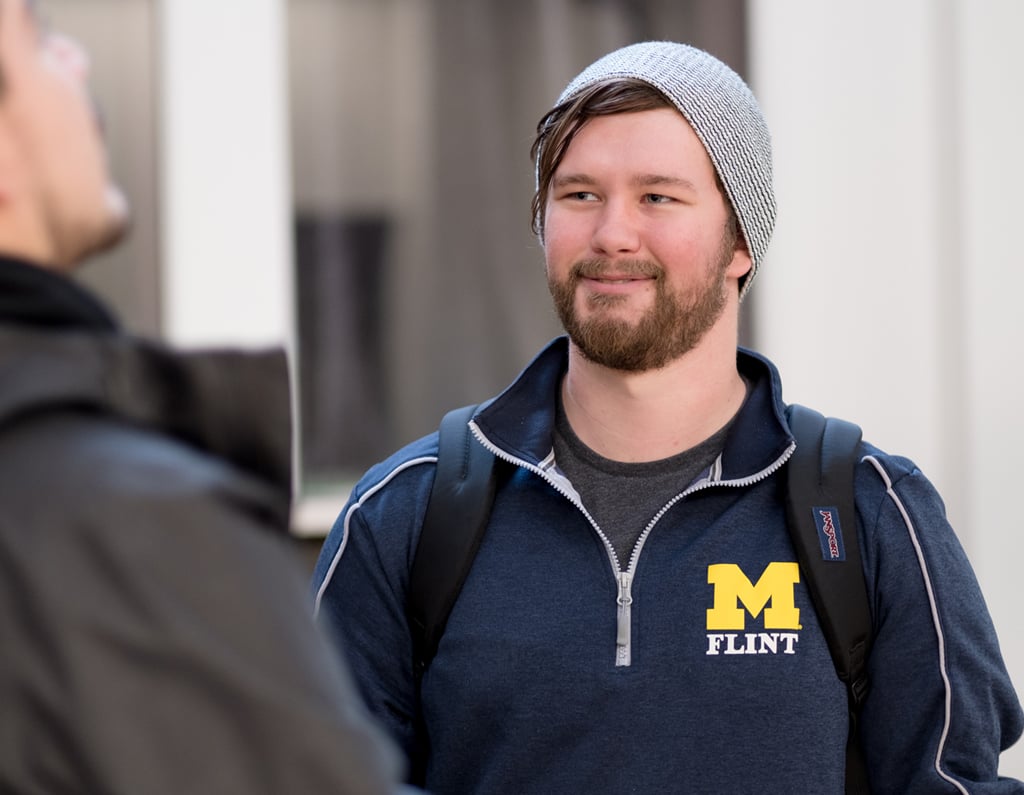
(35, 296)
(520, 420)
(61, 350)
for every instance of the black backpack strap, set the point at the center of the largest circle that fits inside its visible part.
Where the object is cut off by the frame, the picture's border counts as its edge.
(822, 520)
(454, 524)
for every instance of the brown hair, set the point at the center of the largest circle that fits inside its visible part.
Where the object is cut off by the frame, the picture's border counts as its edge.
(555, 132)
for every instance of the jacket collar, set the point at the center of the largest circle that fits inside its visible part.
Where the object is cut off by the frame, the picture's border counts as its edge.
(35, 296)
(520, 421)
(62, 352)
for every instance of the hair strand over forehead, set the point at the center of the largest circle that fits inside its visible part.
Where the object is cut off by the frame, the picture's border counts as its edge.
(559, 126)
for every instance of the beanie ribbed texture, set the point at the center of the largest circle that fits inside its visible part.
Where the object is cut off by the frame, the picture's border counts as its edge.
(722, 111)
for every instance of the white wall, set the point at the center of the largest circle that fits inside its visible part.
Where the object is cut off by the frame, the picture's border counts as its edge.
(890, 293)
(225, 180)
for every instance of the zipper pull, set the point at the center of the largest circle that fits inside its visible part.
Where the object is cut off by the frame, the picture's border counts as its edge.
(623, 653)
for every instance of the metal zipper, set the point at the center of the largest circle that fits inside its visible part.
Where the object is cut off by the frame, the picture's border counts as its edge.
(624, 578)
(624, 635)
(700, 486)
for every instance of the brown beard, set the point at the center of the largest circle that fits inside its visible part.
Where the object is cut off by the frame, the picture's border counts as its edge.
(671, 328)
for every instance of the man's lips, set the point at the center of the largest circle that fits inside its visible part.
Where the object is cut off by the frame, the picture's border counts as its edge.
(611, 281)
(618, 279)
(615, 284)
(601, 276)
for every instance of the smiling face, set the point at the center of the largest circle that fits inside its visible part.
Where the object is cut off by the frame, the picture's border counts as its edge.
(56, 198)
(641, 255)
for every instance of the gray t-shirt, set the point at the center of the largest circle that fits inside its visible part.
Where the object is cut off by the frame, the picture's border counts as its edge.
(624, 498)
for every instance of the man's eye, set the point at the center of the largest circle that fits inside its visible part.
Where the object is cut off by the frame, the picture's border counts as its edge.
(658, 198)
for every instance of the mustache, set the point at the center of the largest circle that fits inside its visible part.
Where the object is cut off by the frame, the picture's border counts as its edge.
(598, 268)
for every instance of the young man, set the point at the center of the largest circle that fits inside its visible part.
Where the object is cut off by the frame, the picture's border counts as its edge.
(635, 619)
(155, 628)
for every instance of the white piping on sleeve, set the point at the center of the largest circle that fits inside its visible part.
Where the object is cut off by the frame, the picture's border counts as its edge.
(348, 517)
(912, 531)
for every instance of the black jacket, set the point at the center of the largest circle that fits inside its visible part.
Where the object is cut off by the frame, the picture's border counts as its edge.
(153, 622)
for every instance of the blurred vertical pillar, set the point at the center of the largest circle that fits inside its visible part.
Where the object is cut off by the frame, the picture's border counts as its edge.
(225, 200)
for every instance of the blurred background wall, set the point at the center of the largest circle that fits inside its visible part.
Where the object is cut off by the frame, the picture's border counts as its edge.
(350, 178)
(891, 290)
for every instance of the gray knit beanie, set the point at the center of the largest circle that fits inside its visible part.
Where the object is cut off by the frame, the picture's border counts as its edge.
(724, 114)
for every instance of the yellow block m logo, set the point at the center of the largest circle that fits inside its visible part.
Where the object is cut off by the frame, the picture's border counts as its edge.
(732, 588)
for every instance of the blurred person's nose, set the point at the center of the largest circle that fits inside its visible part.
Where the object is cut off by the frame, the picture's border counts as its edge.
(67, 54)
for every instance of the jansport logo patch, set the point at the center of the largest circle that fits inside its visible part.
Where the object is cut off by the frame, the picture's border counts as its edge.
(830, 533)
(771, 599)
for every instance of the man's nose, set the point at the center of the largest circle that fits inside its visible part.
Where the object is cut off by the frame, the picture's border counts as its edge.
(617, 230)
(69, 54)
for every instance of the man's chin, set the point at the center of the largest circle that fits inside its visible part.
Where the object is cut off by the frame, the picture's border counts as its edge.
(109, 230)
(118, 219)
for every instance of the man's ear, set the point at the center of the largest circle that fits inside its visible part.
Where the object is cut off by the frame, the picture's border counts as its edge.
(741, 263)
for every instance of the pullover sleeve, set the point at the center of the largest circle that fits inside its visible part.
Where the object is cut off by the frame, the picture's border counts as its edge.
(365, 562)
(941, 706)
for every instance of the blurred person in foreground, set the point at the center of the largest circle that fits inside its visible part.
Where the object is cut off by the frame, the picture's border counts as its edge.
(153, 618)
(634, 619)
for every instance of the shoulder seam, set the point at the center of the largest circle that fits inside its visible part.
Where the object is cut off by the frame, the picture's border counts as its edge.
(350, 512)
